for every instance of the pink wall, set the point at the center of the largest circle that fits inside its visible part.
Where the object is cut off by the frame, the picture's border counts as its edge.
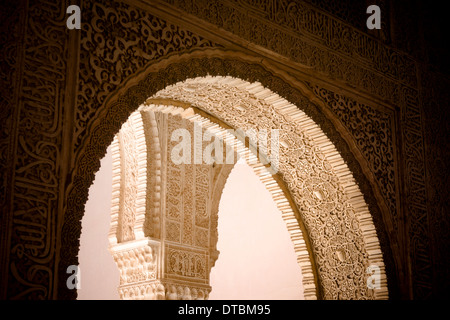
(99, 273)
(257, 259)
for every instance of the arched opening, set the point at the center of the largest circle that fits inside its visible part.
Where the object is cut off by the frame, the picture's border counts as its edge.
(321, 282)
(162, 211)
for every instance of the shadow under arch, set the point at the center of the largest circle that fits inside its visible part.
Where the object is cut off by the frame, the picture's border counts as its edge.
(159, 75)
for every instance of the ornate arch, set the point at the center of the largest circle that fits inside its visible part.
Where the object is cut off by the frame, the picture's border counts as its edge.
(157, 76)
(306, 157)
(325, 200)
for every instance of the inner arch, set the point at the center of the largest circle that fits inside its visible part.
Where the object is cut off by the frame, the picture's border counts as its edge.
(159, 122)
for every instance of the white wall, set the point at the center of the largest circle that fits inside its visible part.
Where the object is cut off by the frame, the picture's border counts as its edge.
(257, 259)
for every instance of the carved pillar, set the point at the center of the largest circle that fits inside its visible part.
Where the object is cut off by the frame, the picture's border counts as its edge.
(163, 231)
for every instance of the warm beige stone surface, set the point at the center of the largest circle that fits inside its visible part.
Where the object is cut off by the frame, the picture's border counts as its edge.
(380, 96)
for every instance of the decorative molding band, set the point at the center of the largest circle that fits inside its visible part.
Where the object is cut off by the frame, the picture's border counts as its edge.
(315, 40)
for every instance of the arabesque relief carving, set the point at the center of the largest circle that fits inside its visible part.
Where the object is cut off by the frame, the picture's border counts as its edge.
(65, 94)
(117, 41)
(337, 221)
(181, 203)
(373, 134)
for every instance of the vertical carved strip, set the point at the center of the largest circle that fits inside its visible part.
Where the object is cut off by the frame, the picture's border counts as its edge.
(188, 203)
(152, 222)
(127, 213)
(129, 181)
(141, 174)
(116, 190)
(38, 166)
(202, 188)
(419, 238)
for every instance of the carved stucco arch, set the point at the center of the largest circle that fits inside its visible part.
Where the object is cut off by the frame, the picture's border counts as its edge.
(324, 197)
(129, 176)
(135, 91)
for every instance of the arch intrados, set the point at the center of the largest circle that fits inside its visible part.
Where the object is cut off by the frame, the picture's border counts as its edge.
(122, 102)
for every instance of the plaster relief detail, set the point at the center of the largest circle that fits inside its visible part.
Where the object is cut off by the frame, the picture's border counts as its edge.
(329, 201)
(338, 224)
(180, 202)
(66, 95)
(187, 264)
(136, 264)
